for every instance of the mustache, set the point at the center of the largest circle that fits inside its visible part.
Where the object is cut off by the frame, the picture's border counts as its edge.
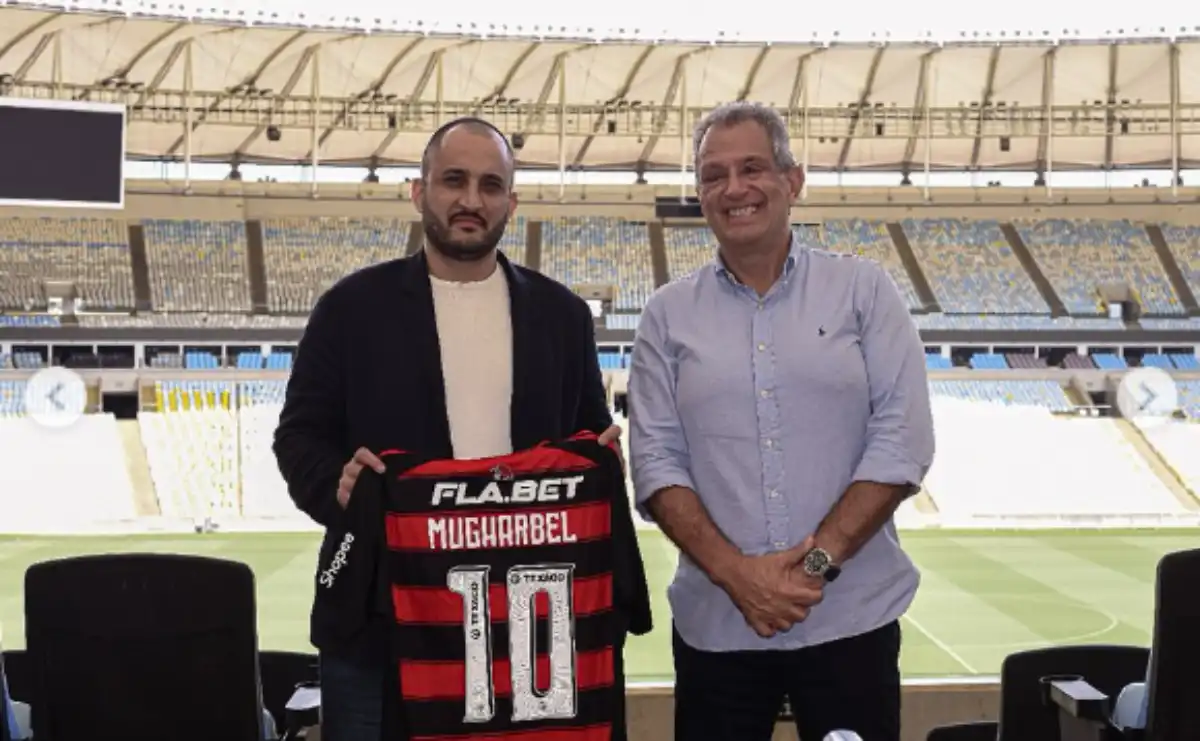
(470, 215)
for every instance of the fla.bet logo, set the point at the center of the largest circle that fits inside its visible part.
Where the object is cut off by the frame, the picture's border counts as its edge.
(1148, 395)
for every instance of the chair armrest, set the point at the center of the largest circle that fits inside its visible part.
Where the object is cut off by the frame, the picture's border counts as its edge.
(1078, 699)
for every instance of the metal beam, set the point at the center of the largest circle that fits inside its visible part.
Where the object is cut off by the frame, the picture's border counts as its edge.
(664, 113)
(123, 71)
(1176, 134)
(856, 114)
(38, 50)
(293, 80)
(748, 85)
(28, 31)
(375, 86)
(985, 102)
(618, 97)
(919, 106)
(1043, 146)
(502, 86)
(431, 66)
(535, 121)
(248, 80)
(1110, 108)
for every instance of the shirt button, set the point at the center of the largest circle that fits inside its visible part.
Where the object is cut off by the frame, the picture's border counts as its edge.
(767, 443)
(764, 393)
(780, 544)
(762, 346)
(774, 493)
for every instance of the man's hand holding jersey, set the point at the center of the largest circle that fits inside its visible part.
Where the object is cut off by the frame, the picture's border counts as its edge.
(610, 436)
(363, 458)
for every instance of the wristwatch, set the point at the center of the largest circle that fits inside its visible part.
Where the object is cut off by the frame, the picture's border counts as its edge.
(818, 562)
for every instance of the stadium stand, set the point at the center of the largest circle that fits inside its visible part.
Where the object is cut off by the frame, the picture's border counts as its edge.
(197, 266)
(1078, 256)
(1184, 243)
(304, 257)
(91, 253)
(971, 267)
(594, 250)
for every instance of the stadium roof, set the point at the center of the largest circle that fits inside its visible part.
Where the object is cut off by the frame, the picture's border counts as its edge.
(373, 96)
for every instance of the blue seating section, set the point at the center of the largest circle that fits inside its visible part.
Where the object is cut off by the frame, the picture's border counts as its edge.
(933, 361)
(91, 253)
(197, 265)
(1184, 242)
(1078, 256)
(12, 398)
(612, 360)
(1047, 394)
(1184, 362)
(201, 361)
(603, 251)
(988, 361)
(24, 321)
(1157, 360)
(1109, 361)
(971, 268)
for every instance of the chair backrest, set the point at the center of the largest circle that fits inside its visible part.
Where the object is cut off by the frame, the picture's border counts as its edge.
(1024, 717)
(142, 647)
(1173, 683)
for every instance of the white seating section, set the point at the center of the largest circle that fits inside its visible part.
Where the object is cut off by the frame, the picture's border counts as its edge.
(197, 265)
(93, 254)
(1014, 461)
(599, 250)
(1178, 442)
(67, 480)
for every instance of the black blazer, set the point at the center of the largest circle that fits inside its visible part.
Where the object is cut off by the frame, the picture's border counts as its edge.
(368, 374)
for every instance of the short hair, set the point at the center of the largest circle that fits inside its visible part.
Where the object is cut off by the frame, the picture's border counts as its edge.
(435, 141)
(730, 114)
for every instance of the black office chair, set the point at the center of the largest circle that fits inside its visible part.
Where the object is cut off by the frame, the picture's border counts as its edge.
(1023, 714)
(1173, 713)
(283, 672)
(142, 647)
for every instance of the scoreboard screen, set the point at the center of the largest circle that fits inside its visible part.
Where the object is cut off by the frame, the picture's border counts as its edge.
(61, 153)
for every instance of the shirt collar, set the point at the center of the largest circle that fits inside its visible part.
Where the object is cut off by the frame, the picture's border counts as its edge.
(789, 264)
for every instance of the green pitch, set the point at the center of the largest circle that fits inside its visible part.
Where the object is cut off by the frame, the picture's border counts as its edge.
(983, 594)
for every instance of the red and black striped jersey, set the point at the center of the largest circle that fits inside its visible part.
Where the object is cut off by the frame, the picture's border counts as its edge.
(513, 582)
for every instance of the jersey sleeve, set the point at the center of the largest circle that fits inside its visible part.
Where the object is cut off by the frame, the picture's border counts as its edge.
(631, 594)
(347, 569)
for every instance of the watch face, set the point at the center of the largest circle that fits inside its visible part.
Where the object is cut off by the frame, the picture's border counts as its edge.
(816, 562)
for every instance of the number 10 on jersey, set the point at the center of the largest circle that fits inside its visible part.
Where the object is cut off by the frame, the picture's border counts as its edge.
(524, 583)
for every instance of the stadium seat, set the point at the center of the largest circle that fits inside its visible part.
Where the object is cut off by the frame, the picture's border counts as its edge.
(142, 647)
(1023, 714)
(1171, 712)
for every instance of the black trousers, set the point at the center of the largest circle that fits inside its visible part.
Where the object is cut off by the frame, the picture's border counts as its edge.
(852, 684)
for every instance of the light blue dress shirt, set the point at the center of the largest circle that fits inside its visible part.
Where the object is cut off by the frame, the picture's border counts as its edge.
(768, 409)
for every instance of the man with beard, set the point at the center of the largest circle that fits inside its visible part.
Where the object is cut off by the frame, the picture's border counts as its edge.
(454, 353)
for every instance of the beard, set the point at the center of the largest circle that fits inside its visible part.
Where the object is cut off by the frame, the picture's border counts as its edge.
(472, 249)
